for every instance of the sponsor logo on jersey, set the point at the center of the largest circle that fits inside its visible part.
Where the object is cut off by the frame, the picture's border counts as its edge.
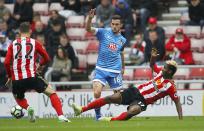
(112, 46)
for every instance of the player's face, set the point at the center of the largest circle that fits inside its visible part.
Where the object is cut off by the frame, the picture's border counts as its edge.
(116, 25)
(166, 72)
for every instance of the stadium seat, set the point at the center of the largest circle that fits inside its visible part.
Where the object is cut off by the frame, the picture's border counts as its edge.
(192, 31)
(196, 73)
(197, 45)
(76, 33)
(142, 74)
(79, 46)
(127, 51)
(202, 33)
(75, 21)
(42, 8)
(184, 18)
(128, 74)
(170, 30)
(182, 73)
(92, 58)
(198, 58)
(44, 19)
(92, 47)
(10, 7)
(180, 86)
(196, 86)
(56, 6)
(82, 61)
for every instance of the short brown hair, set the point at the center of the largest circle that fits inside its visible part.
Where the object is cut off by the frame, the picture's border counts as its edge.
(117, 17)
(24, 27)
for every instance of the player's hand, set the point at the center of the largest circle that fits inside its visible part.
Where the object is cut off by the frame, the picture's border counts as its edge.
(9, 83)
(91, 13)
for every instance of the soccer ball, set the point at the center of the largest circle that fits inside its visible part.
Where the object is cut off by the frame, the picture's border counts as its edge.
(17, 112)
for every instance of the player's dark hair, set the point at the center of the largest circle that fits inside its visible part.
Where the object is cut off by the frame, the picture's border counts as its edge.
(24, 27)
(172, 68)
(117, 17)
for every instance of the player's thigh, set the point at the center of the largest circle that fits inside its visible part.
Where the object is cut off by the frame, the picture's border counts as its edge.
(115, 98)
(39, 84)
(128, 96)
(116, 82)
(18, 90)
(137, 106)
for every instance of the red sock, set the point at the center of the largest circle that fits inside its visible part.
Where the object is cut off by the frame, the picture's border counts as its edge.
(23, 103)
(94, 104)
(121, 117)
(56, 103)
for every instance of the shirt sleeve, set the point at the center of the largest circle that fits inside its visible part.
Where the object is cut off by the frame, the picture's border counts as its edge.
(98, 32)
(45, 57)
(157, 69)
(173, 93)
(8, 59)
(124, 45)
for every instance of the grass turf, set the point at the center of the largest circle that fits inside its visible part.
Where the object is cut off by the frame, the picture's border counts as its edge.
(89, 124)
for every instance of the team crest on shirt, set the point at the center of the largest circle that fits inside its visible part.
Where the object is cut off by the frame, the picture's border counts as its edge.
(112, 46)
(158, 82)
(121, 42)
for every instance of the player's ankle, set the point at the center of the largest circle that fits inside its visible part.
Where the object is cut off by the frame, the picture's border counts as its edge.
(28, 108)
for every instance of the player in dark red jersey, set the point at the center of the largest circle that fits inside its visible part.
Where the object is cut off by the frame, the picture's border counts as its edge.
(139, 97)
(22, 70)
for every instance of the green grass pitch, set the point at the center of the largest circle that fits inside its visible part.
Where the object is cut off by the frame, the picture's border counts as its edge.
(89, 124)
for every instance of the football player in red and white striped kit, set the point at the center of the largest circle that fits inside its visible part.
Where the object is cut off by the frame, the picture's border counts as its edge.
(22, 70)
(139, 97)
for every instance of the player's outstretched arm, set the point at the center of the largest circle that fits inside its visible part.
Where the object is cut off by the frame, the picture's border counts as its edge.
(179, 108)
(89, 20)
(153, 57)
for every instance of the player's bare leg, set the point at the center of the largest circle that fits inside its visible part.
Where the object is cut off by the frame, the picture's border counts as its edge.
(97, 89)
(132, 111)
(115, 98)
(56, 103)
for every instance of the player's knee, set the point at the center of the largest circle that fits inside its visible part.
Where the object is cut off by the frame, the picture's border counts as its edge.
(97, 94)
(97, 88)
(108, 99)
(134, 110)
(49, 91)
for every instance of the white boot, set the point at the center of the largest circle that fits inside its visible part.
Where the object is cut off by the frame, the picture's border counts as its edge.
(62, 118)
